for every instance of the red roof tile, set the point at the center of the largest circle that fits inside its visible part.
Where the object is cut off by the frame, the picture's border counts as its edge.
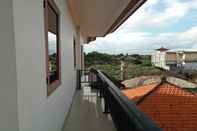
(137, 93)
(162, 49)
(172, 108)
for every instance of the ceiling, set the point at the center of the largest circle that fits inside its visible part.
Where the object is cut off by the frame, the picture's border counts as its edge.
(100, 17)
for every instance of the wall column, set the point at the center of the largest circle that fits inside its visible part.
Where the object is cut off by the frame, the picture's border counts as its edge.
(8, 78)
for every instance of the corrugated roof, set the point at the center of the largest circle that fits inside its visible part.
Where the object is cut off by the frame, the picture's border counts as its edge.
(171, 107)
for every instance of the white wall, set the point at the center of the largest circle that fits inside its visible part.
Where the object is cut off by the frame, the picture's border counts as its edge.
(79, 44)
(8, 88)
(159, 60)
(36, 111)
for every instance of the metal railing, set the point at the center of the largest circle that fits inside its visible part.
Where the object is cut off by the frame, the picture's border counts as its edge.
(125, 114)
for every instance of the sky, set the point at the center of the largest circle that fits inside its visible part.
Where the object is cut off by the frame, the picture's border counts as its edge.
(168, 23)
(52, 43)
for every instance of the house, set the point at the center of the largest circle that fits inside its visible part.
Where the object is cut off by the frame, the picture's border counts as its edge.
(172, 107)
(173, 59)
(41, 49)
(186, 59)
(158, 58)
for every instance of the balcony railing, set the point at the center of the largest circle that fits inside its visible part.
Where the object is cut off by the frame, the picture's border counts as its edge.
(125, 114)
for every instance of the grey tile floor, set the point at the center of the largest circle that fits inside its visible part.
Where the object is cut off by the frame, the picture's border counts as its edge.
(86, 113)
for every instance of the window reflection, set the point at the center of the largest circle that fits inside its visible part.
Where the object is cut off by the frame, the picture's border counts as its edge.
(52, 49)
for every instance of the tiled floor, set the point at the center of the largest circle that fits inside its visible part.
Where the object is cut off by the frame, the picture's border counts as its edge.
(86, 113)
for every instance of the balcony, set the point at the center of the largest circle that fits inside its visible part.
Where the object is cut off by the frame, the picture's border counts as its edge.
(86, 113)
(100, 105)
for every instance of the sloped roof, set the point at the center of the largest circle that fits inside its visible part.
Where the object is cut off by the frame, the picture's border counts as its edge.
(139, 92)
(171, 107)
(162, 49)
(142, 80)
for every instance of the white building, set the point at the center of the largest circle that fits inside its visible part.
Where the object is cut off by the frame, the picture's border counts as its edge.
(41, 49)
(158, 58)
(165, 59)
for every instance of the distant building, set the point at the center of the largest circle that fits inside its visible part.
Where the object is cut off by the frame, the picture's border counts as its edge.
(184, 59)
(158, 58)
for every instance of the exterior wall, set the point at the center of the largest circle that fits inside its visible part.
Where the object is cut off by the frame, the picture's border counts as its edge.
(8, 88)
(182, 59)
(171, 57)
(191, 57)
(37, 112)
(159, 60)
(167, 60)
(187, 56)
(79, 49)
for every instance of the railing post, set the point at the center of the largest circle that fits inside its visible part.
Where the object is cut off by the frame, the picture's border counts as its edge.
(100, 86)
(104, 95)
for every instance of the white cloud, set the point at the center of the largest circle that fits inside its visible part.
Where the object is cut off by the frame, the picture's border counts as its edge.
(152, 2)
(170, 12)
(175, 11)
(132, 38)
(52, 38)
(138, 42)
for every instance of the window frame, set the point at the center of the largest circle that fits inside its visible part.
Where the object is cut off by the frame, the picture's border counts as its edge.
(82, 56)
(51, 87)
(74, 53)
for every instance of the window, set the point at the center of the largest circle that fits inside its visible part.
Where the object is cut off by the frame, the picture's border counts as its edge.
(52, 46)
(74, 52)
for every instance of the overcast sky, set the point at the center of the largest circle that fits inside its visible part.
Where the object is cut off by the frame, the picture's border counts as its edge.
(168, 23)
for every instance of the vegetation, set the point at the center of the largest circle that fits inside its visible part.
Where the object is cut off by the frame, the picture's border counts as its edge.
(53, 67)
(136, 65)
(53, 64)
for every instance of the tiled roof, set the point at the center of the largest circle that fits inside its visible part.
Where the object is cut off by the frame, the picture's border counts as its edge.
(172, 108)
(142, 80)
(162, 49)
(137, 93)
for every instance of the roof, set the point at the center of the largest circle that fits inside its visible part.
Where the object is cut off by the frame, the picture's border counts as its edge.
(137, 93)
(162, 49)
(183, 50)
(171, 107)
(142, 80)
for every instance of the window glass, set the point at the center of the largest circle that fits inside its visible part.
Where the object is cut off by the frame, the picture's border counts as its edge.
(52, 49)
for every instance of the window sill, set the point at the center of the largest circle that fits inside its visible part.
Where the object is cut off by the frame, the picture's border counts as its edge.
(52, 87)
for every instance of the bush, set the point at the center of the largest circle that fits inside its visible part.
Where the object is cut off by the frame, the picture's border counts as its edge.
(146, 63)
